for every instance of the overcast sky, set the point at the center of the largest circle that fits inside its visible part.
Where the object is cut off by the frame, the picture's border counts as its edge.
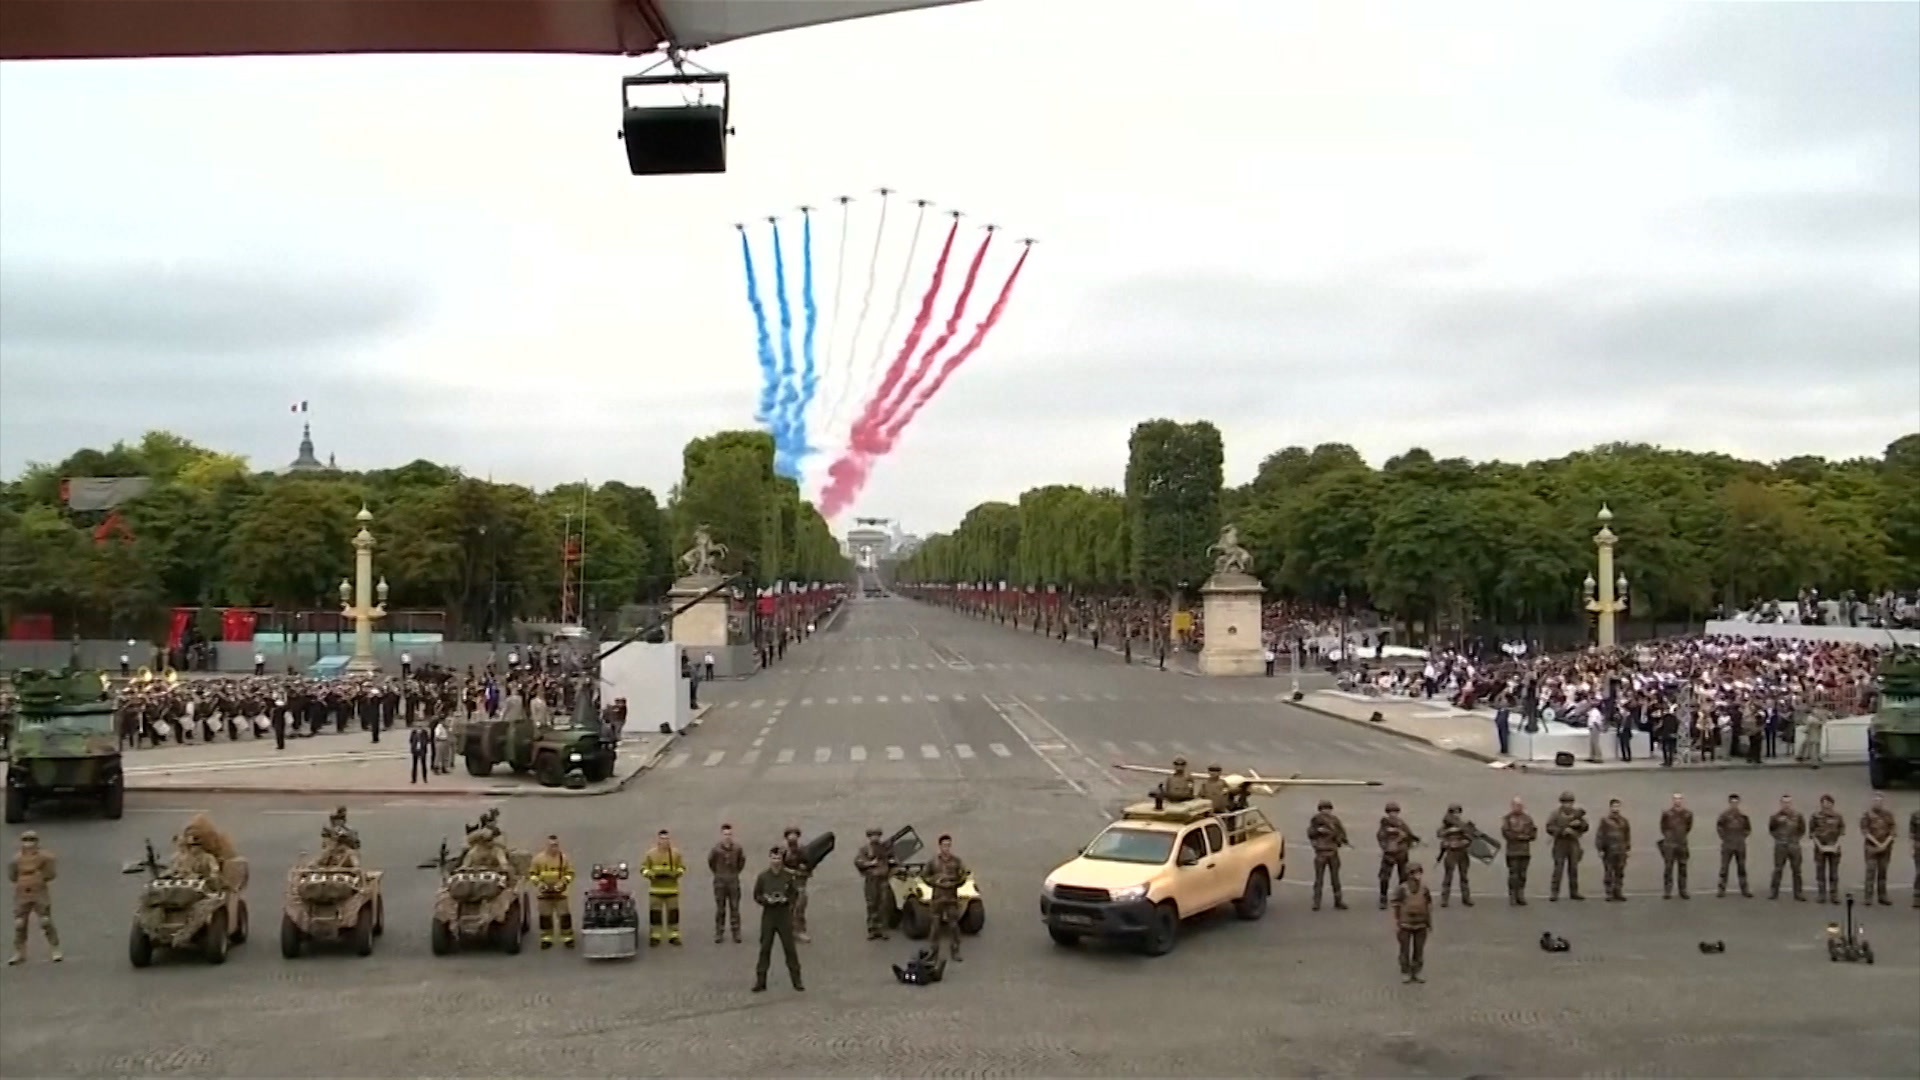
(1496, 231)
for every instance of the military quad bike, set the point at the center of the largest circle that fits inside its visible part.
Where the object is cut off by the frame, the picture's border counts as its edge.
(478, 908)
(609, 919)
(65, 744)
(331, 905)
(188, 914)
(910, 907)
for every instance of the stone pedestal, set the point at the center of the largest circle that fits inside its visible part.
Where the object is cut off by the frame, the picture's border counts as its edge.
(704, 625)
(1230, 604)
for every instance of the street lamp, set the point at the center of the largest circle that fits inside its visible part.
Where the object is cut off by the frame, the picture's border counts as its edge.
(1344, 649)
(354, 597)
(1606, 592)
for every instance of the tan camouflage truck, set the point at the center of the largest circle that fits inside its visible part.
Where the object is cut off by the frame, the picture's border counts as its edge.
(477, 907)
(331, 905)
(183, 914)
(1160, 864)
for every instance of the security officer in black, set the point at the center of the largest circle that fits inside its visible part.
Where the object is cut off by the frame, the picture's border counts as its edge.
(774, 890)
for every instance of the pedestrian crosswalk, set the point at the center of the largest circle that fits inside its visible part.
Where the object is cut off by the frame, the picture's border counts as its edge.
(910, 697)
(935, 665)
(1260, 752)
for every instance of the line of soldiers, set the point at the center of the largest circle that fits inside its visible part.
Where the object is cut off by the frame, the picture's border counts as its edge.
(1567, 827)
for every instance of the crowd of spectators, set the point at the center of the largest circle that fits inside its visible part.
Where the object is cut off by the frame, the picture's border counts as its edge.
(1888, 611)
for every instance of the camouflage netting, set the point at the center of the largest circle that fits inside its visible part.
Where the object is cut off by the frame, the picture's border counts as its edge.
(333, 889)
(215, 842)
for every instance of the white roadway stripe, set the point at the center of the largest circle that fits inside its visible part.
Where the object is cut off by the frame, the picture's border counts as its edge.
(714, 758)
(1111, 747)
(959, 697)
(1000, 749)
(855, 699)
(731, 705)
(785, 758)
(1220, 748)
(757, 702)
(1179, 748)
(833, 701)
(822, 754)
(933, 697)
(1145, 747)
(677, 760)
(894, 753)
(962, 750)
(750, 757)
(1089, 697)
(781, 704)
(858, 753)
(882, 699)
(929, 751)
(806, 701)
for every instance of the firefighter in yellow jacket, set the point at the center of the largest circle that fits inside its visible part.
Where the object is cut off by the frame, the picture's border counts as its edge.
(663, 866)
(552, 876)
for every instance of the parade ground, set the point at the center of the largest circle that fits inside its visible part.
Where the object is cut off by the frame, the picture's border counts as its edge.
(902, 714)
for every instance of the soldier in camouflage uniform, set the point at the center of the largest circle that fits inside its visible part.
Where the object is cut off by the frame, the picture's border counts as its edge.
(1676, 830)
(32, 871)
(1396, 841)
(1913, 837)
(726, 861)
(1179, 786)
(1877, 832)
(1412, 921)
(944, 874)
(1614, 842)
(1214, 789)
(1827, 828)
(1733, 828)
(874, 861)
(1566, 826)
(1328, 834)
(1519, 832)
(800, 872)
(1788, 827)
(1455, 836)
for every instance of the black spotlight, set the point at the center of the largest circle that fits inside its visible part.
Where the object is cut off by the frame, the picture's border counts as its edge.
(675, 140)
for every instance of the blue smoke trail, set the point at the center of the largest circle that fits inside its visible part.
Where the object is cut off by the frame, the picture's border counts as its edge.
(785, 454)
(769, 366)
(809, 373)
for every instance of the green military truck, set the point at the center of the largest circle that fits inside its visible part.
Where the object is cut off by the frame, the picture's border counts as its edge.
(1893, 739)
(65, 743)
(550, 753)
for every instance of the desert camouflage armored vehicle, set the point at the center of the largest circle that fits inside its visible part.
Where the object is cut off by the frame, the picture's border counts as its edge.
(477, 907)
(64, 744)
(1893, 737)
(189, 911)
(912, 909)
(331, 905)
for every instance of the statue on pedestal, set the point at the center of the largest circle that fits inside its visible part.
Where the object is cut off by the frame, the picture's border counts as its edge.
(702, 560)
(1229, 556)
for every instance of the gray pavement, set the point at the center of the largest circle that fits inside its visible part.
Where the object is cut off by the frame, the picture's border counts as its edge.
(1005, 741)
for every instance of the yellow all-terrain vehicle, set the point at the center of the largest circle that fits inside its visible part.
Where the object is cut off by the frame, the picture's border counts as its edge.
(911, 910)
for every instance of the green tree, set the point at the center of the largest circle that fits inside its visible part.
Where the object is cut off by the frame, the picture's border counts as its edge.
(1174, 480)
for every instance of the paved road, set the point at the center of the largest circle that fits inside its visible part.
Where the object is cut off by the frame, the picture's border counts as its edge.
(1301, 993)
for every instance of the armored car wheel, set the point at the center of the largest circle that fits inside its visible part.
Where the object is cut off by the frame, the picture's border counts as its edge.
(598, 770)
(548, 770)
(213, 939)
(16, 805)
(379, 916)
(1064, 938)
(290, 938)
(509, 931)
(363, 934)
(478, 765)
(114, 806)
(241, 925)
(440, 938)
(139, 947)
(974, 918)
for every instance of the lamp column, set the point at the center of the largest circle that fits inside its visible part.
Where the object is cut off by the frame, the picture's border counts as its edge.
(1606, 591)
(354, 597)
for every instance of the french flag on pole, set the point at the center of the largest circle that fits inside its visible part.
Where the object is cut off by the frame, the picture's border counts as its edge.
(300, 408)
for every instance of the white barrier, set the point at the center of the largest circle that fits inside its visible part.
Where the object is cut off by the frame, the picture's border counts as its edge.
(1846, 635)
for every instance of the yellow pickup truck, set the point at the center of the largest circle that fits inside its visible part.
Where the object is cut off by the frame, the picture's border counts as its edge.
(1160, 864)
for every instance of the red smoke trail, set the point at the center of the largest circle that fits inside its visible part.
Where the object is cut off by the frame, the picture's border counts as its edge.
(875, 412)
(925, 366)
(980, 332)
(848, 475)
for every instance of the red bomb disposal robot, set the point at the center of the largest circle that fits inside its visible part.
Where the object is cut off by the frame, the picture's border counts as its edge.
(609, 919)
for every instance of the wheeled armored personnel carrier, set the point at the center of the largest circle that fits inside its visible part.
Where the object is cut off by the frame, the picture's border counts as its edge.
(1893, 736)
(187, 914)
(911, 910)
(477, 908)
(331, 905)
(65, 744)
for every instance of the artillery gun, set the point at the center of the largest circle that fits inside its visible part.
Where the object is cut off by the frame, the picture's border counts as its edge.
(1893, 736)
(65, 743)
(480, 906)
(184, 913)
(331, 905)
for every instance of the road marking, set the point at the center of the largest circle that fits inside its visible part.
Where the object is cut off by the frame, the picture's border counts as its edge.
(757, 702)
(881, 699)
(855, 700)
(715, 758)
(822, 755)
(805, 701)
(1189, 698)
(962, 750)
(761, 739)
(785, 758)
(1251, 747)
(894, 753)
(858, 753)
(929, 751)
(933, 697)
(913, 667)
(1089, 697)
(1214, 698)
(1179, 748)
(1145, 747)
(890, 667)
(1111, 747)
(781, 704)
(999, 749)
(677, 760)
(750, 757)
(1220, 748)
(1112, 697)
(731, 705)
(957, 697)
(833, 701)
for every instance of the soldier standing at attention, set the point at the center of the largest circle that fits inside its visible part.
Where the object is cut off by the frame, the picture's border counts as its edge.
(552, 876)
(1566, 826)
(663, 867)
(1519, 832)
(1455, 835)
(1877, 831)
(1827, 827)
(799, 871)
(1676, 827)
(1214, 789)
(1178, 787)
(1788, 827)
(1412, 920)
(874, 861)
(32, 872)
(1396, 841)
(1328, 835)
(774, 890)
(726, 862)
(944, 875)
(1733, 826)
(1614, 841)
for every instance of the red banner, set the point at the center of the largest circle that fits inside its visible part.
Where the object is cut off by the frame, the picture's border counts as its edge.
(30, 628)
(182, 618)
(236, 624)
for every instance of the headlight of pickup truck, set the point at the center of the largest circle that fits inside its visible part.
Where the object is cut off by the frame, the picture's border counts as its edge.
(573, 759)
(1046, 888)
(1123, 896)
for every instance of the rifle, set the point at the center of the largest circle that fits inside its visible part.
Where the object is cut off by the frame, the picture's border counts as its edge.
(440, 861)
(151, 864)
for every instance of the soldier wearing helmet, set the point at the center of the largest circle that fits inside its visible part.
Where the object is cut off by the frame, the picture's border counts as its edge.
(1328, 835)
(1396, 839)
(797, 868)
(1566, 826)
(1214, 789)
(874, 861)
(1455, 836)
(32, 871)
(1178, 787)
